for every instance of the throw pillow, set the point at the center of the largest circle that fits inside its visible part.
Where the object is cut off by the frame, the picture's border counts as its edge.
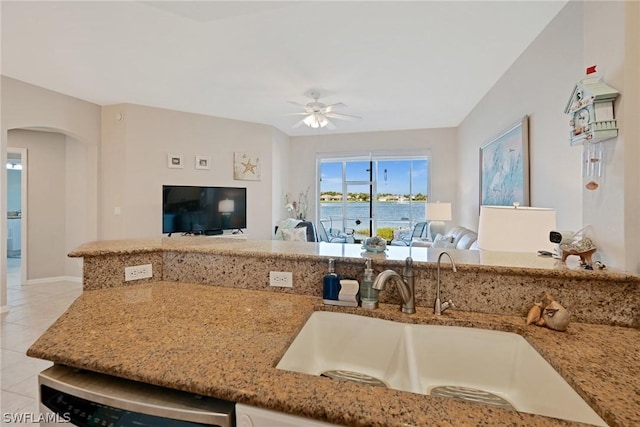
(401, 234)
(444, 239)
(286, 224)
(443, 242)
(295, 234)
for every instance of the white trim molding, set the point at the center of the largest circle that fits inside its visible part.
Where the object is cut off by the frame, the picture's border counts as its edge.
(54, 279)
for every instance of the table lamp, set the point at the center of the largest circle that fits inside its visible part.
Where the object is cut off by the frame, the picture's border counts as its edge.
(515, 228)
(436, 214)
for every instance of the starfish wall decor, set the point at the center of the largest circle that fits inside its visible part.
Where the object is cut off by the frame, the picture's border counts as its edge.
(246, 167)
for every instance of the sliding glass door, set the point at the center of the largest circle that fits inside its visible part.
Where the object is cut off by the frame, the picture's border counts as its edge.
(372, 195)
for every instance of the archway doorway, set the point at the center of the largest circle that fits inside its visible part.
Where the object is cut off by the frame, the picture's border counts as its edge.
(16, 202)
(58, 205)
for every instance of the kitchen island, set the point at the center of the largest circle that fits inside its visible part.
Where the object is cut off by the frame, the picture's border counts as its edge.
(225, 341)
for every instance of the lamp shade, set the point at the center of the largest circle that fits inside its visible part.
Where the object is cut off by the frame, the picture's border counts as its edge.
(438, 211)
(226, 206)
(515, 229)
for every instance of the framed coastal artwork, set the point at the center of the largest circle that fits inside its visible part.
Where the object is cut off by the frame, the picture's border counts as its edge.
(504, 167)
(246, 166)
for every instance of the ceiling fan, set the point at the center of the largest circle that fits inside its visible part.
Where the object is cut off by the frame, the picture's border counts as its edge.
(317, 114)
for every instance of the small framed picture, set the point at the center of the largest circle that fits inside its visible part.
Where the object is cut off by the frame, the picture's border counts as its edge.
(202, 162)
(175, 161)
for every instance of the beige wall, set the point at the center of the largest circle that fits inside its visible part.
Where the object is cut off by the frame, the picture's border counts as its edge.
(134, 165)
(26, 106)
(80, 201)
(604, 208)
(539, 84)
(632, 133)
(46, 207)
(440, 143)
(280, 177)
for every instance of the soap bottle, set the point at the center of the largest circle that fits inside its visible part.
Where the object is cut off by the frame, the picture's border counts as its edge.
(331, 282)
(368, 295)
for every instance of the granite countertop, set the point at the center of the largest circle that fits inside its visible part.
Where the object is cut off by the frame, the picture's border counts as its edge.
(491, 261)
(225, 343)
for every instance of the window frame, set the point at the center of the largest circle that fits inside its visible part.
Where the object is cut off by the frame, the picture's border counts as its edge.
(373, 157)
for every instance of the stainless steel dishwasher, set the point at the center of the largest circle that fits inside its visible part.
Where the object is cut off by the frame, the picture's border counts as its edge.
(88, 399)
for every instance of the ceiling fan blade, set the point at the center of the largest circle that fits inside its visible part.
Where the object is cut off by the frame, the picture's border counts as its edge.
(296, 114)
(297, 104)
(309, 108)
(297, 125)
(342, 116)
(329, 108)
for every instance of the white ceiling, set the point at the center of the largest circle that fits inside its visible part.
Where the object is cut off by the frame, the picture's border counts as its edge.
(398, 65)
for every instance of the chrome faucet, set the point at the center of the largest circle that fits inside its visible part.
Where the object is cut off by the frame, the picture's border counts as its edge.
(405, 285)
(440, 308)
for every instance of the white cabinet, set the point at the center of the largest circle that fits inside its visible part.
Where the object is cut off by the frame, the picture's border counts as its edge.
(13, 237)
(250, 416)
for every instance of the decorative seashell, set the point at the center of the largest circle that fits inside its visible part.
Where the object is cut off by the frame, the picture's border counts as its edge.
(534, 313)
(592, 185)
(546, 298)
(553, 315)
(556, 317)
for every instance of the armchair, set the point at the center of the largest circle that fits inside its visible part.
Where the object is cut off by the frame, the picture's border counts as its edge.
(406, 240)
(290, 223)
(334, 236)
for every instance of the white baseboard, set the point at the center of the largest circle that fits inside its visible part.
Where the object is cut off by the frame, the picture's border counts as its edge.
(54, 279)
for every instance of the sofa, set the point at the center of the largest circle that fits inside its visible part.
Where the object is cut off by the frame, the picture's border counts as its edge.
(457, 238)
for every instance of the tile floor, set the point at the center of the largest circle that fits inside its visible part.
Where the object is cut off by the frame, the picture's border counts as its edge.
(32, 310)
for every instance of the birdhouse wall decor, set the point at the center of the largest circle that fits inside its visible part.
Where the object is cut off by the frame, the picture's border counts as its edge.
(591, 110)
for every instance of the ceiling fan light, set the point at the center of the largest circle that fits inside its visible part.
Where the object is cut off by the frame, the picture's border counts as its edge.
(309, 120)
(316, 120)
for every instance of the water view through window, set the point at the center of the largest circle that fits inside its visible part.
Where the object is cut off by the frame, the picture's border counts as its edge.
(373, 197)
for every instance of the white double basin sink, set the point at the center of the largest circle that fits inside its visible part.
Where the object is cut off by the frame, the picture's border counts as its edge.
(475, 365)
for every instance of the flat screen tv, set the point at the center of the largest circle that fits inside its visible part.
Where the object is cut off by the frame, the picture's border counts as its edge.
(203, 210)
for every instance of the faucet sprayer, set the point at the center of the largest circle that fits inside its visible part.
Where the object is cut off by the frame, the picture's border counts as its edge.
(439, 308)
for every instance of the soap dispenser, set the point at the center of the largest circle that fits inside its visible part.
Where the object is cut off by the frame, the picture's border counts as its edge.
(331, 283)
(368, 295)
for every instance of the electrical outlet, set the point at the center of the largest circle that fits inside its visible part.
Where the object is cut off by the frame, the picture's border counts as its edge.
(281, 279)
(137, 272)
